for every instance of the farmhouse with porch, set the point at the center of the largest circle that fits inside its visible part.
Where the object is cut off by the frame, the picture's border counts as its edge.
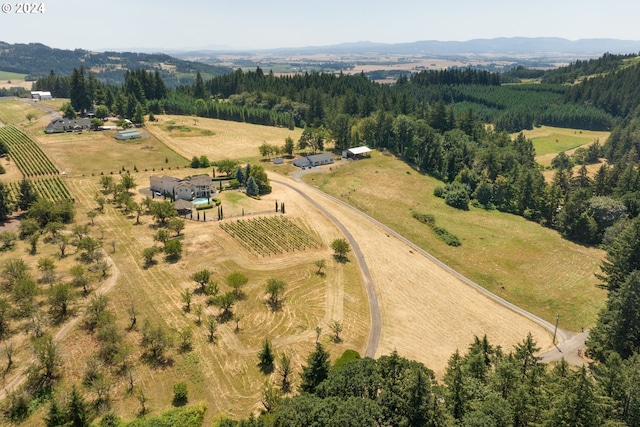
(199, 186)
(67, 125)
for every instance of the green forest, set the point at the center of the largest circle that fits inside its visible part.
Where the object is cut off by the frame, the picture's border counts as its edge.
(438, 121)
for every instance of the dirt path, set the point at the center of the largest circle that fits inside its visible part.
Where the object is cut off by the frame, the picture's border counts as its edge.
(106, 286)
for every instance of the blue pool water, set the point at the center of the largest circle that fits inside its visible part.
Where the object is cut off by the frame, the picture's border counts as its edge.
(200, 201)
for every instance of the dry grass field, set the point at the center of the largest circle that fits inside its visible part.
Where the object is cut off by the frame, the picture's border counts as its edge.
(224, 374)
(427, 313)
(14, 111)
(217, 139)
(528, 265)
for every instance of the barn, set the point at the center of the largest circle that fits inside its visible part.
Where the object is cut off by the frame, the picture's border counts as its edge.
(125, 135)
(41, 95)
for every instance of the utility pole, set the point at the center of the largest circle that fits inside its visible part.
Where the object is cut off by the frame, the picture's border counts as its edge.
(556, 329)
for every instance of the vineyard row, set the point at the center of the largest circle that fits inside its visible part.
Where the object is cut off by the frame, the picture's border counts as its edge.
(26, 153)
(53, 189)
(270, 235)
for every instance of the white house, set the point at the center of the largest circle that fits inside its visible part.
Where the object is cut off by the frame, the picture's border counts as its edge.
(199, 186)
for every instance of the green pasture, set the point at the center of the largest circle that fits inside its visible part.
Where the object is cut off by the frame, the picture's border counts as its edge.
(553, 140)
(8, 75)
(523, 262)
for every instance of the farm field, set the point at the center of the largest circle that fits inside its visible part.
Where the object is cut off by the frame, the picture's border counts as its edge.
(217, 139)
(9, 80)
(224, 374)
(549, 141)
(89, 153)
(530, 266)
(13, 111)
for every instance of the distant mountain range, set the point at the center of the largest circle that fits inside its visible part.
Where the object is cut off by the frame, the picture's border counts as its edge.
(37, 60)
(504, 46)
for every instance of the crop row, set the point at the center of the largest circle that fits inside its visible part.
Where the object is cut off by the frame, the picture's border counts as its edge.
(53, 189)
(26, 153)
(270, 235)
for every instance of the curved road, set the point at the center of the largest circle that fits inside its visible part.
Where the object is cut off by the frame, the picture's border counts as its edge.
(570, 346)
(374, 308)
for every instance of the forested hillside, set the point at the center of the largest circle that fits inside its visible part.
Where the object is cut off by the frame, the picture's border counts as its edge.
(37, 60)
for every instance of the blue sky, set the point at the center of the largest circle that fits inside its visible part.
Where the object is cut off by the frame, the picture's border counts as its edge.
(166, 25)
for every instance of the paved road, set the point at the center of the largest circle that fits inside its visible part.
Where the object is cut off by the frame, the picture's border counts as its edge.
(570, 346)
(374, 308)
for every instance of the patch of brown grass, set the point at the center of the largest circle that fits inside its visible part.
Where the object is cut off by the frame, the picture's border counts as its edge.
(531, 266)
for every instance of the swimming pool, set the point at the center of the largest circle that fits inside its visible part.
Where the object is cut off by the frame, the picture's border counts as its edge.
(201, 201)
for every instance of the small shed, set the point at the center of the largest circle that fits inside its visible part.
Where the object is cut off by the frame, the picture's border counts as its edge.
(128, 134)
(357, 152)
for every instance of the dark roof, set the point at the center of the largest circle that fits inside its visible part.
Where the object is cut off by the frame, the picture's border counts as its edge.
(319, 157)
(68, 124)
(183, 205)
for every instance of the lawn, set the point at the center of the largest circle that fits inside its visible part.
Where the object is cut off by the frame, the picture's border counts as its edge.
(549, 141)
(13, 111)
(531, 266)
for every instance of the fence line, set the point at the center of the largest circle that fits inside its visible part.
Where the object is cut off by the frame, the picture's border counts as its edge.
(215, 217)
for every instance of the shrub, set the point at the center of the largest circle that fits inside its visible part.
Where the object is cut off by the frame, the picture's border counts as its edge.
(457, 197)
(204, 206)
(180, 394)
(444, 235)
(428, 219)
(439, 191)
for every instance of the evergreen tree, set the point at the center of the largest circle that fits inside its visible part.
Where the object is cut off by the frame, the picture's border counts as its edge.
(239, 175)
(56, 415)
(5, 203)
(266, 356)
(81, 99)
(618, 326)
(316, 370)
(77, 411)
(27, 195)
(252, 187)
